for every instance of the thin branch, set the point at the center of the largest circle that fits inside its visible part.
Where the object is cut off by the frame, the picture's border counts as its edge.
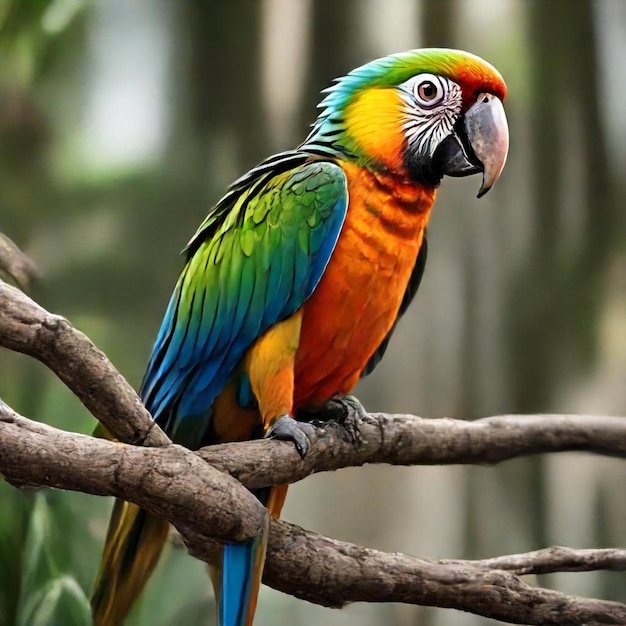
(203, 503)
(15, 263)
(554, 559)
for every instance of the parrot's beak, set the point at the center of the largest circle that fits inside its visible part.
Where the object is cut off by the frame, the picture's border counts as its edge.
(479, 143)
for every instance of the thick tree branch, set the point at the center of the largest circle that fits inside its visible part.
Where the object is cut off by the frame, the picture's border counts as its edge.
(28, 328)
(411, 440)
(169, 481)
(400, 439)
(203, 503)
(337, 573)
(207, 505)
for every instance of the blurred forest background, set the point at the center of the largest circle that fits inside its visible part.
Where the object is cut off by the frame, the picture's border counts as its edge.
(123, 121)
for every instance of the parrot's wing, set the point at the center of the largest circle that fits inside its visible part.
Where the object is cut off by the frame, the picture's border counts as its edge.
(409, 294)
(254, 261)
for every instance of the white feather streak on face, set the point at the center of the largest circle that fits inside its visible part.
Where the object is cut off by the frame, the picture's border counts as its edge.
(427, 126)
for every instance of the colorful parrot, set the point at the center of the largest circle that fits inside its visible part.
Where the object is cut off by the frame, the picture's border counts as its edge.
(294, 283)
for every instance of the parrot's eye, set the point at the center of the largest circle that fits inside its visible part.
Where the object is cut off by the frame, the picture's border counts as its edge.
(428, 90)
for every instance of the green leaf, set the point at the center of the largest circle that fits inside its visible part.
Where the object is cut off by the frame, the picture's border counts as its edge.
(47, 596)
(37, 567)
(60, 601)
(16, 506)
(59, 14)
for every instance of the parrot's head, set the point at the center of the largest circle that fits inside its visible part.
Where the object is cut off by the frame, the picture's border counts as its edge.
(420, 114)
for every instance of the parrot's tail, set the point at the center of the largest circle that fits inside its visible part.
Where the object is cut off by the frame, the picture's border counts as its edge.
(242, 569)
(132, 548)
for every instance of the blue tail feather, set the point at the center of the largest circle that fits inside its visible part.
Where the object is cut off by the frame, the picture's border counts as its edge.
(238, 575)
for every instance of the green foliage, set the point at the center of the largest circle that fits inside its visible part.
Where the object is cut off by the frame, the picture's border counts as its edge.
(50, 544)
(30, 33)
(34, 589)
(60, 601)
(13, 521)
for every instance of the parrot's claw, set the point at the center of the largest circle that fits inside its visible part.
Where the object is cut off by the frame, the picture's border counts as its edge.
(353, 407)
(354, 414)
(286, 428)
(346, 412)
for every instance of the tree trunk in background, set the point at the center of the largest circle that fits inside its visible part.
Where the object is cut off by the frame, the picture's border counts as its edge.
(438, 23)
(225, 75)
(335, 48)
(552, 304)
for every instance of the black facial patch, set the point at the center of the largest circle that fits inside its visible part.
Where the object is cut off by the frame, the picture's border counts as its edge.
(422, 168)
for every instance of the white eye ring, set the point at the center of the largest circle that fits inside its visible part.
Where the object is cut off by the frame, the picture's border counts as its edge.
(428, 90)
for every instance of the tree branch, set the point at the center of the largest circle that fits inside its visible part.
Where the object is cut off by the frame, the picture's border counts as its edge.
(399, 439)
(554, 559)
(15, 263)
(337, 573)
(206, 504)
(171, 481)
(28, 328)
(411, 440)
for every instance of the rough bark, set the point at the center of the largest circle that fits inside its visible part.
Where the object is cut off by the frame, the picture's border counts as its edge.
(202, 493)
(169, 481)
(412, 440)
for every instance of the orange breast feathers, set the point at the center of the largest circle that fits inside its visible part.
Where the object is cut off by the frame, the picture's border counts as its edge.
(357, 300)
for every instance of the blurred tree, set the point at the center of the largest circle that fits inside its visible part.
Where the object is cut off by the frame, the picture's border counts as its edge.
(438, 23)
(552, 334)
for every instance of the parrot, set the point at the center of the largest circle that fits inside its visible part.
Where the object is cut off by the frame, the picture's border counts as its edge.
(294, 283)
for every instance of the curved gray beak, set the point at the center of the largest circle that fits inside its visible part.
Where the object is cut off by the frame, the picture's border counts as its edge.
(479, 143)
(488, 134)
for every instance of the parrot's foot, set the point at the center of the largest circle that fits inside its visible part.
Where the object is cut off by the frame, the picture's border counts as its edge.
(346, 412)
(286, 428)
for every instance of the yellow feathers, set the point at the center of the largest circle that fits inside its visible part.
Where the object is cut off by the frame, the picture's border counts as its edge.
(374, 122)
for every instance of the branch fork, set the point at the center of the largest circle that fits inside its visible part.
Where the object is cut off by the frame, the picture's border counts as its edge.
(203, 493)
